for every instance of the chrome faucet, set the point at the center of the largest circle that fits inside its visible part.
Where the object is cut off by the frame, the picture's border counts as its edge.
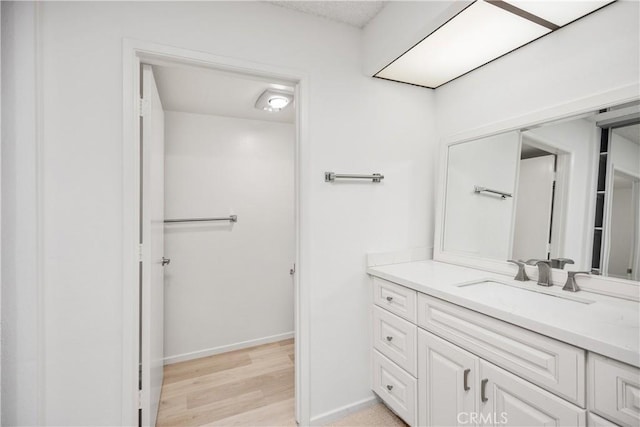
(521, 275)
(544, 272)
(571, 284)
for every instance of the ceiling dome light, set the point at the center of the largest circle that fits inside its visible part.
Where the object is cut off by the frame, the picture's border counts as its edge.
(274, 100)
(278, 102)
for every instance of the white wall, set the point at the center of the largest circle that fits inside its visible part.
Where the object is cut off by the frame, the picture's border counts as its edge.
(356, 124)
(20, 306)
(227, 283)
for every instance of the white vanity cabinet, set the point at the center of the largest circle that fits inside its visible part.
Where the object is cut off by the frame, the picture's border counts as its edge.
(440, 364)
(455, 387)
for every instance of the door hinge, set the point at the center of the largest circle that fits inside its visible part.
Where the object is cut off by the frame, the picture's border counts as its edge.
(139, 399)
(142, 106)
(140, 252)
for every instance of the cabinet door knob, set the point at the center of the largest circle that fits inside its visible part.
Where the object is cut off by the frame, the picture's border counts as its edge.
(389, 338)
(483, 390)
(389, 299)
(389, 387)
(466, 380)
(165, 261)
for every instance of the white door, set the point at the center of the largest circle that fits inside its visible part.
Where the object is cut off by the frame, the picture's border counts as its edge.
(447, 383)
(152, 322)
(533, 208)
(507, 400)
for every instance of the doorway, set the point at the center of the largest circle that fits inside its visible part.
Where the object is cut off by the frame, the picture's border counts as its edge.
(623, 260)
(205, 235)
(539, 217)
(533, 223)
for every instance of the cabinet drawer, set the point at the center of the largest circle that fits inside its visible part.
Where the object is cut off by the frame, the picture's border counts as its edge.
(614, 390)
(395, 298)
(395, 338)
(553, 365)
(507, 400)
(395, 387)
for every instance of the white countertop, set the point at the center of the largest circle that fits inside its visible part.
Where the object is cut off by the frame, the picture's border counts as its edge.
(607, 326)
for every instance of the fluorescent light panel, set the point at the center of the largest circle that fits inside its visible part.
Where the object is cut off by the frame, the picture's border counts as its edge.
(474, 37)
(479, 34)
(560, 12)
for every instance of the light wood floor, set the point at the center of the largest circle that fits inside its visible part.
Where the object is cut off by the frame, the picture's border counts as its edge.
(250, 387)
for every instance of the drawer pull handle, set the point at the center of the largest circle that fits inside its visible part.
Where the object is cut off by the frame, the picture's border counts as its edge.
(466, 380)
(389, 299)
(389, 387)
(483, 389)
(389, 338)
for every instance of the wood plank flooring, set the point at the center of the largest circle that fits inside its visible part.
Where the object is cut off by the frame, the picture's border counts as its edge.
(250, 387)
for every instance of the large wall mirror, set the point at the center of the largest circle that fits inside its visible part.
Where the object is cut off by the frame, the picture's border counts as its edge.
(566, 191)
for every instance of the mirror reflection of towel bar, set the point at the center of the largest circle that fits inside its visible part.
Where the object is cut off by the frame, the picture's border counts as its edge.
(232, 218)
(478, 189)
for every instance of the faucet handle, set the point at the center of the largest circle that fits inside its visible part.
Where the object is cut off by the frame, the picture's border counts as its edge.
(573, 273)
(521, 275)
(571, 284)
(561, 262)
(535, 261)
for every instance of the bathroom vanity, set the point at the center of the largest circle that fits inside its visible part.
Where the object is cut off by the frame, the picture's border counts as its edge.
(458, 341)
(454, 344)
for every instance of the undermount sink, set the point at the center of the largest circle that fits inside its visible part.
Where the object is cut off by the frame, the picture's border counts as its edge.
(495, 289)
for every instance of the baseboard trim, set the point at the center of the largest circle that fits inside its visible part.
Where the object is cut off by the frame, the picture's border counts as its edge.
(225, 348)
(336, 414)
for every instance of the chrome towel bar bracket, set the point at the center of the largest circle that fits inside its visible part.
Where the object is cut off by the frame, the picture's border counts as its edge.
(332, 176)
(231, 218)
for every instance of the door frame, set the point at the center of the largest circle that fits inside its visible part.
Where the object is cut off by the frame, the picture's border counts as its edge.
(133, 53)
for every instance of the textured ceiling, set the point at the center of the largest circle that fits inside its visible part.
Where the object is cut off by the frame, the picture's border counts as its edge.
(356, 13)
(203, 91)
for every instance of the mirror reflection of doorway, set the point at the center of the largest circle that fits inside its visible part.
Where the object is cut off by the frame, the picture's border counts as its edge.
(619, 196)
(625, 213)
(533, 231)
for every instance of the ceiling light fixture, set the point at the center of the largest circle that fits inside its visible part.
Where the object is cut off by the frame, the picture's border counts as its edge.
(483, 31)
(274, 100)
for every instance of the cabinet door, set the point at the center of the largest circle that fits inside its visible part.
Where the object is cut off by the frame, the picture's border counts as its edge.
(614, 390)
(448, 386)
(507, 400)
